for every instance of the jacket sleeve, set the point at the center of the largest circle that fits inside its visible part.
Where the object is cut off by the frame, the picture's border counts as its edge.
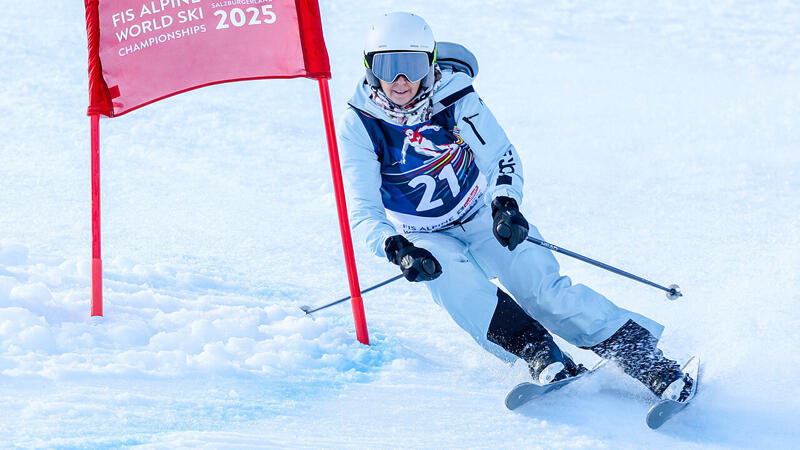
(495, 156)
(362, 174)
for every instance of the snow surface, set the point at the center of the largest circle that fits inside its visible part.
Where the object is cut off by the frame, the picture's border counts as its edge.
(658, 136)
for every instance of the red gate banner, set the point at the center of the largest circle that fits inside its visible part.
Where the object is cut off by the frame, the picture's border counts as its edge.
(141, 51)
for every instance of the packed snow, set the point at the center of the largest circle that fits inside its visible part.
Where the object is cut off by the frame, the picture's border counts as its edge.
(661, 137)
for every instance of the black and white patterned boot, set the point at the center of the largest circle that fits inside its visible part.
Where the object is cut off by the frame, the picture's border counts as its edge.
(633, 347)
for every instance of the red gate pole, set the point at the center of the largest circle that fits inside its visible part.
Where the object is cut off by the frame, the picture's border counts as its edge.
(97, 264)
(341, 208)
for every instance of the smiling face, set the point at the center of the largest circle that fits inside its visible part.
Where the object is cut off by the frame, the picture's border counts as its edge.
(400, 91)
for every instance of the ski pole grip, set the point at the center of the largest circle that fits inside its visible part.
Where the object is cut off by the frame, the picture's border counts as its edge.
(429, 266)
(503, 230)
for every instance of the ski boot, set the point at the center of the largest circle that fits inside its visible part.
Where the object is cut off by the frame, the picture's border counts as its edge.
(519, 334)
(634, 349)
(545, 360)
(547, 363)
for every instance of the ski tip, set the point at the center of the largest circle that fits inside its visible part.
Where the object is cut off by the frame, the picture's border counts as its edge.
(306, 309)
(692, 366)
(516, 396)
(655, 419)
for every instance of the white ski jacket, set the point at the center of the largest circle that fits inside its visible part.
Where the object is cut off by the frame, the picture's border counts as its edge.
(368, 161)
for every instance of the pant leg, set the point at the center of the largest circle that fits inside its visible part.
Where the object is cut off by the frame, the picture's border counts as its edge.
(462, 289)
(577, 313)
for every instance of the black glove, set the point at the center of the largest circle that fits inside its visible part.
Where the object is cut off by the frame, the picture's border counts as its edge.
(416, 263)
(510, 227)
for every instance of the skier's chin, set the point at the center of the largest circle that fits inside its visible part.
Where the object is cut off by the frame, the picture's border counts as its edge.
(401, 98)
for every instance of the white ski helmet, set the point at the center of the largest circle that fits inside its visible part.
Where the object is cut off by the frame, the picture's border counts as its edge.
(401, 38)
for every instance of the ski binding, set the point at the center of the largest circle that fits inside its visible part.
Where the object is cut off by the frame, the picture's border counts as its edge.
(665, 409)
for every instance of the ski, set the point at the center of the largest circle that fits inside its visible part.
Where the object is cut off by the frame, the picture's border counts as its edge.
(525, 392)
(665, 409)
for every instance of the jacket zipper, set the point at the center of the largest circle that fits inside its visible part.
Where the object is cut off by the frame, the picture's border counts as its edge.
(474, 130)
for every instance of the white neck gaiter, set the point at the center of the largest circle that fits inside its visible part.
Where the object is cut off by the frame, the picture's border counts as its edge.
(416, 111)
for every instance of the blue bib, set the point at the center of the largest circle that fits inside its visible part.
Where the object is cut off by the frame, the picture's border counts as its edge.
(429, 176)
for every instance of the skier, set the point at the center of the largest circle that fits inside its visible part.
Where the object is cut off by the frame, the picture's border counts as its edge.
(452, 220)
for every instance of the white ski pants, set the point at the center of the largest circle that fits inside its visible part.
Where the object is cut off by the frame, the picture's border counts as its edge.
(470, 256)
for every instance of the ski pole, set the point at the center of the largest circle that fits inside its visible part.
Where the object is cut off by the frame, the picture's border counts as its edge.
(308, 310)
(672, 291)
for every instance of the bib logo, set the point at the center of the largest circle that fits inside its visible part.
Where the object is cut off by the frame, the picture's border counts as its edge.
(423, 146)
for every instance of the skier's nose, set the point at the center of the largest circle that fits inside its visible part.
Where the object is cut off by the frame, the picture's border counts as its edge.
(401, 80)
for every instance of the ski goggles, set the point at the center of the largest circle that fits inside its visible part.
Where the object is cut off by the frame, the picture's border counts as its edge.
(388, 66)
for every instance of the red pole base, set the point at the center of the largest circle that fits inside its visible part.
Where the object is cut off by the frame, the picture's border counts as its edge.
(97, 287)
